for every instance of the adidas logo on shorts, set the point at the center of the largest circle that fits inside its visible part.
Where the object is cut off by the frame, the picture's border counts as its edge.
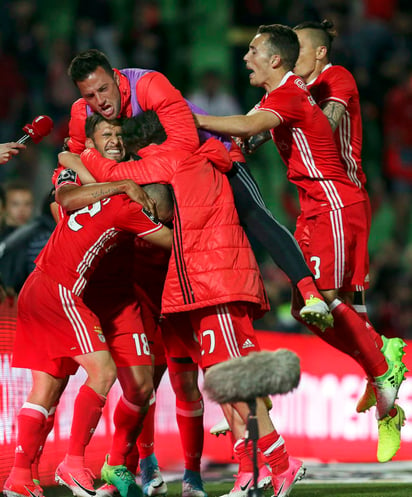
(248, 343)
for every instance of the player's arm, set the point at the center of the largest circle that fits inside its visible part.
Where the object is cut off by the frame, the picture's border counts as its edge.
(242, 126)
(72, 161)
(334, 112)
(250, 145)
(71, 195)
(162, 238)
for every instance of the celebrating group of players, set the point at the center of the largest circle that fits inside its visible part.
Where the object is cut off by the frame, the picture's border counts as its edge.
(134, 278)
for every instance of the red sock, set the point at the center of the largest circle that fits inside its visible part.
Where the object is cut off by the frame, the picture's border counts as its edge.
(274, 451)
(330, 335)
(243, 457)
(132, 460)
(46, 430)
(30, 422)
(363, 313)
(308, 288)
(337, 339)
(145, 441)
(128, 419)
(361, 337)
(189, 416)
(88, 407)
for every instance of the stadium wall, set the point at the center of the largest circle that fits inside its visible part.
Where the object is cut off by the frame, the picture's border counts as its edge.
(318, 420)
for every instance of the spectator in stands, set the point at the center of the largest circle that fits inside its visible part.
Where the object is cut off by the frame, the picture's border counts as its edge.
(18, 208)
(19, 249)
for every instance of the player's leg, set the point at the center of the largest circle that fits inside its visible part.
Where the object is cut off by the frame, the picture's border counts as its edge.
(259, 222)
(88, 407)
(226, 331)
(339, 253)
(31, 423)
(182, 352)
(132, 355)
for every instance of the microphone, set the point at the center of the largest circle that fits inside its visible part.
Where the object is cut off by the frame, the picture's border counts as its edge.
(37, 130)
(256, 375)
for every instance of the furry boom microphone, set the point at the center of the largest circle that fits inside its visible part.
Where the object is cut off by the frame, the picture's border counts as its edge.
(256, 375)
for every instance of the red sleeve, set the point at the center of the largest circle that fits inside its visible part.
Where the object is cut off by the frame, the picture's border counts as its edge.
(338, 85)
(155, 92)
(286, 103)
(131, 217)
(152, 169)
(77, 133)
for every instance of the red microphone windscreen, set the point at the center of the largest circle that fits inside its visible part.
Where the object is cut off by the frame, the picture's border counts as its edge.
(41, 126)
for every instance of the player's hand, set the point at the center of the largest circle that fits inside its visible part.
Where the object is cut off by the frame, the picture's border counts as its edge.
(136, 193)
(8, 150)
(250, 145)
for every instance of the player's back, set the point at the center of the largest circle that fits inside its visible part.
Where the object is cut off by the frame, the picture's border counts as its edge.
(336, 84)
(83, 237)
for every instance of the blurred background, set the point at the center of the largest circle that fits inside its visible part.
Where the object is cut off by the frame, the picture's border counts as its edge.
(199, 46)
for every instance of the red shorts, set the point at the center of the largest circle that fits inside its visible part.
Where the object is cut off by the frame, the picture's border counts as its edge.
(53, 326)
(121, 320)
(152, 329)
(335, 247)
(219, 332)
(179, 339)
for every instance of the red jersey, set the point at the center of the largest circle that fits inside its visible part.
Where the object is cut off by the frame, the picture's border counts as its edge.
(335, 83)
(305, 142)
(82, 238)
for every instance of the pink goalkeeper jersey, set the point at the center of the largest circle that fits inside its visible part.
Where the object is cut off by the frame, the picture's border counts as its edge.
(82, 238)
(335, 83)
(305, 142)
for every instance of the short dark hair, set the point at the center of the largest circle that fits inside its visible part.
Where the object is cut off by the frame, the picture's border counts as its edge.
(85, 63)
(141, 130)
(95, 119)
(323, 32)
(282, 40)
(163, 196)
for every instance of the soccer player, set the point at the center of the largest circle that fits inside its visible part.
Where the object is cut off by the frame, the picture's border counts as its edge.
(333, 227)
(335, 90)
(128, 92)
(150, 267)
(56, 332)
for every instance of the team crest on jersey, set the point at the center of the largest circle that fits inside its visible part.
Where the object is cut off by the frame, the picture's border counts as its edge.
(99, 331)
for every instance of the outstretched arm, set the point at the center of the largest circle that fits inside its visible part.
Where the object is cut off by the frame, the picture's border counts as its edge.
(242, 126)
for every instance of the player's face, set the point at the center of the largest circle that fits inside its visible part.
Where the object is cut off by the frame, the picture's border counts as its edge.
(101, 92)
(258, 60)
(108, 141)
(306, 63)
